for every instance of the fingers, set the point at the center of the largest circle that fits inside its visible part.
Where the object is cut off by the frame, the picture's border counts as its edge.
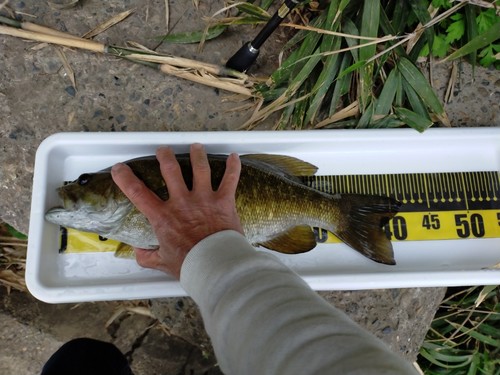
(144, 199)
(152, 259)
(201, 168)
(171, 172)
(231, 176)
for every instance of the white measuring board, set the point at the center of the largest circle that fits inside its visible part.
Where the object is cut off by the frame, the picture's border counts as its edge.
(55, 278)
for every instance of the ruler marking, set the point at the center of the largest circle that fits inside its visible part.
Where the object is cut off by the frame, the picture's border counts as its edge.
(464, 189)
(485, 186)
(404, 187)
(419, 188)
(456, 188)
(448, 184)
(494, 187)
(441, 188)
(412, 187)
(426, 189)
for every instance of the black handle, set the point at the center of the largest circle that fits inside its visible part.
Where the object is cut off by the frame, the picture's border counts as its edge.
(246, 55)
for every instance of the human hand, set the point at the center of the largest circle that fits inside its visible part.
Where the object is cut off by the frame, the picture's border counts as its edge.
(188, 216)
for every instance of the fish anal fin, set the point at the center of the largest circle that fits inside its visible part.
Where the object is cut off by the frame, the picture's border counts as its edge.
(363, 224)
(288, 164)
(297, 240)
(124, 251)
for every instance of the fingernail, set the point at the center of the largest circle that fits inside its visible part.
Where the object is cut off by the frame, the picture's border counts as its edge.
(197, 146)
(117, 167)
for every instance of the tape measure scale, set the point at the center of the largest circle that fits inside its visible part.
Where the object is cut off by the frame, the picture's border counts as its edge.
(435, 206)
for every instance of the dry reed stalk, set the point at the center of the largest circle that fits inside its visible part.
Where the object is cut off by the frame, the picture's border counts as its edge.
(349, 111)
(109, 23)
(30, 26)
(208, 74)
(67, 67)
(329, 32)
(203, 77)
(88, 45)
(186, 63)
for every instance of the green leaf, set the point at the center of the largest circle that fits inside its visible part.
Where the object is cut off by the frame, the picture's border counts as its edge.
(419, 7)
(15, 233)
(366, 118)
(193, 36)
(369, 27)
(266, 4)
(478, 336)
(480, 41)
(484, 293)
(386, 97)
(445, 4)
(342, 85)
(422, 87)
(456, 30)
(471, 30)
(415, 102)
(351, 69)
(253, 10)
(303, 74)
(436, 358)
(413, 119)
(441, 46)
(486, 19)
(323, 83)
(487, 55)
(350, 28)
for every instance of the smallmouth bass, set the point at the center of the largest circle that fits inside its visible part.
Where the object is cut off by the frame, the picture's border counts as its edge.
(276, 209)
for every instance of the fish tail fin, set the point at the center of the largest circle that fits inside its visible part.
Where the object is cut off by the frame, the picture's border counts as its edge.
(362, 225)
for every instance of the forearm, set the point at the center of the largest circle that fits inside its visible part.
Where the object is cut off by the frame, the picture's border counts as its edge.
(262, 318)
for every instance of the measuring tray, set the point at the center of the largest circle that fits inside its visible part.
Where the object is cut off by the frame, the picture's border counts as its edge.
(437, 166)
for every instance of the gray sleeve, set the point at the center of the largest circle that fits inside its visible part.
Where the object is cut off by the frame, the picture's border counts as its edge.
(264, 319)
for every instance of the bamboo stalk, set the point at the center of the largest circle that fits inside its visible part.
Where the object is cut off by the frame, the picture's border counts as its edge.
(88, 45)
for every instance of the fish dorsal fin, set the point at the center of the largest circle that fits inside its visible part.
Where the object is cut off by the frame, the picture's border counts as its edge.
(297, 240)
(288, 164)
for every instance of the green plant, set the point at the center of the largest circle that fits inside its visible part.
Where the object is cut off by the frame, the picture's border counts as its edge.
(350, 68)
(477, 25)
(464, 337)
(355, 63)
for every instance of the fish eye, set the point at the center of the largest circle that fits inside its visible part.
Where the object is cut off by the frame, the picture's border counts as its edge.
(83, 179)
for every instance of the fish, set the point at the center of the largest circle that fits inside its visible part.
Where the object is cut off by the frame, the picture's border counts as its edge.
(277, 209)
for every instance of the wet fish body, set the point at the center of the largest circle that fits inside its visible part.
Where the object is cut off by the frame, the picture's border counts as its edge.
(276, 209)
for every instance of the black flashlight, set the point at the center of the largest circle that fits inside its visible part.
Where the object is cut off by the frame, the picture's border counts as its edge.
(246, 55)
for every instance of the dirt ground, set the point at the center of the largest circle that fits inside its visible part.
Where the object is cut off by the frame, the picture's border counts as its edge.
(38, 99)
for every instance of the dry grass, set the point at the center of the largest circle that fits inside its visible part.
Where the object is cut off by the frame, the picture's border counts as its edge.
(12, 260)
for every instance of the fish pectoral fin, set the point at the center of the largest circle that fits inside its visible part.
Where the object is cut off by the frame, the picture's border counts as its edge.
(288, 164)
(297, 240)
(125, 251)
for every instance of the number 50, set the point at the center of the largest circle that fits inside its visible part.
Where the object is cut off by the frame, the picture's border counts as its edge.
(467, 226)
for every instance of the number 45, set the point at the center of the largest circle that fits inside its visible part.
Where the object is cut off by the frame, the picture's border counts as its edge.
(431, 221)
